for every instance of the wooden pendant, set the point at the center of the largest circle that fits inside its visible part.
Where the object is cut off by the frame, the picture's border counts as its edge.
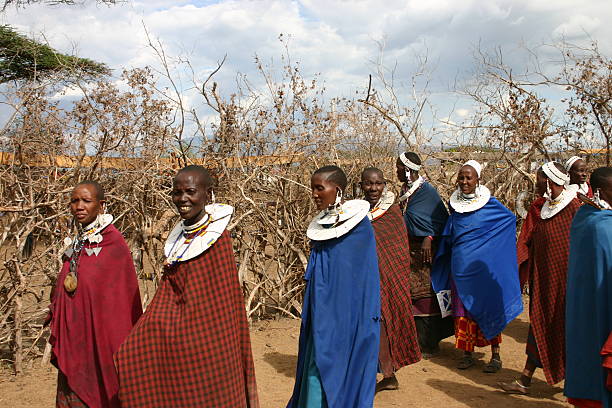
(70, 282)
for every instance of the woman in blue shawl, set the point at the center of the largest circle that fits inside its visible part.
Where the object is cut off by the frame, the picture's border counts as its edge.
(588, 320)
(339, 334)
(475, 269)
(425, 216)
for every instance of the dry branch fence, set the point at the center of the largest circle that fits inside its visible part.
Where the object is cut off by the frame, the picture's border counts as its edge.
(262, 147)
(271, 197)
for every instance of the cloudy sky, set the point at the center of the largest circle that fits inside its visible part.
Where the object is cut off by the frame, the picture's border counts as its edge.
(337, 39)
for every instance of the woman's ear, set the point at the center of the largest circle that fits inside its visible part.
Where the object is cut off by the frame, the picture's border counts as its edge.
(211, 195)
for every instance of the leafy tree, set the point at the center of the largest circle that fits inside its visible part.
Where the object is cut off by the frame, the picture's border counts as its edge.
(22, 58)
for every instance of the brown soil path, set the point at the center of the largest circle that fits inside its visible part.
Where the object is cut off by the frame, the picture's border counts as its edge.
(434, 383)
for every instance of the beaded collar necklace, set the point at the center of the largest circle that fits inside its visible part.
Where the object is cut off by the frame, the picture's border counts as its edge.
(190, 233)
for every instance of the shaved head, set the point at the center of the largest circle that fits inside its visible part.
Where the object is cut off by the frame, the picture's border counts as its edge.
(371, 170)
(601, 178)
(333, 174)
(96, 186)
(204, 175)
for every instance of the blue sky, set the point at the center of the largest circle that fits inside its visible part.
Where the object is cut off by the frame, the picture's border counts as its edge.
(336, 39)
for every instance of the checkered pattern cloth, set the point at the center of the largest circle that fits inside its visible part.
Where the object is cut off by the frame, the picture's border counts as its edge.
(524, 239)
(468, 335)
(191, 348)
(65, 397)
(548, 255)
(396, 306)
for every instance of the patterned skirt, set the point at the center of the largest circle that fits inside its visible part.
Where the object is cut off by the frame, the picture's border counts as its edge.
(66, 398)
(468, 335)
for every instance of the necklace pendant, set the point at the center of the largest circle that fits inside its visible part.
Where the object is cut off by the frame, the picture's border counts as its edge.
(70, 282)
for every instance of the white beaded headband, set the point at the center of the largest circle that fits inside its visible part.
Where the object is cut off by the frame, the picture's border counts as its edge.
(570, 162)
(554, 174)
(408, 163)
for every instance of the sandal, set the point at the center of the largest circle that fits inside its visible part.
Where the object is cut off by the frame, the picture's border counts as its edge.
(466, 362)
(514, 387)
(494, 366)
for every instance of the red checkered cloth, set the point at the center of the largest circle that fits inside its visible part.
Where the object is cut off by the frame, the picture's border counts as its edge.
(396, 306)
(191, 348)
(524, 239)
(468, 335)
(549, 251)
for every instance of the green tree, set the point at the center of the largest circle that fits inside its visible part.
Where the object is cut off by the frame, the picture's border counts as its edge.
(22, 58)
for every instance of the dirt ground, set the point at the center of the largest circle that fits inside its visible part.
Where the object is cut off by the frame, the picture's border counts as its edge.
(432, 383)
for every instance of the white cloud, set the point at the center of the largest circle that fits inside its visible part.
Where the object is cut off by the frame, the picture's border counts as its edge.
(333, 38)
(577, 26)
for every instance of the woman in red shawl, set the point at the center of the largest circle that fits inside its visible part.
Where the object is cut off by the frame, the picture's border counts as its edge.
(548, 257)
(399, 344)
(95, 303)
(192, 348)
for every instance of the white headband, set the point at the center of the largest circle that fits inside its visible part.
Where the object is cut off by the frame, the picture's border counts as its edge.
(408, 163)
(554, 174)
(475, 165)
(570, 162)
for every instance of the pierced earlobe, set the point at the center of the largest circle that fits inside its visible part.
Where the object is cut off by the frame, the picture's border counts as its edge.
(338, 198)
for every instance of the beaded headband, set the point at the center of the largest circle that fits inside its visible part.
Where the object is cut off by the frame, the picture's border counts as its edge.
(408, 163)
(554, 174)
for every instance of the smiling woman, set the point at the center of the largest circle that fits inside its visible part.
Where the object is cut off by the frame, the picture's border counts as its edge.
(198, 310)
(191, 192)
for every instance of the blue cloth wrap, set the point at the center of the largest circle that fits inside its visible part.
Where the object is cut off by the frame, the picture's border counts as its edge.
(341, 315)
(425, 213)
(588, 320)
(478, 252)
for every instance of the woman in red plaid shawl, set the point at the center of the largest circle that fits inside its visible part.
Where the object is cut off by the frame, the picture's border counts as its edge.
(399, 345)
(191, 348)
(548, 256)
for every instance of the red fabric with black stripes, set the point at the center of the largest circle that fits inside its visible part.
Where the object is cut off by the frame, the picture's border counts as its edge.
(548, 258)
(524, 239)
(396, 306)
(191, 348)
